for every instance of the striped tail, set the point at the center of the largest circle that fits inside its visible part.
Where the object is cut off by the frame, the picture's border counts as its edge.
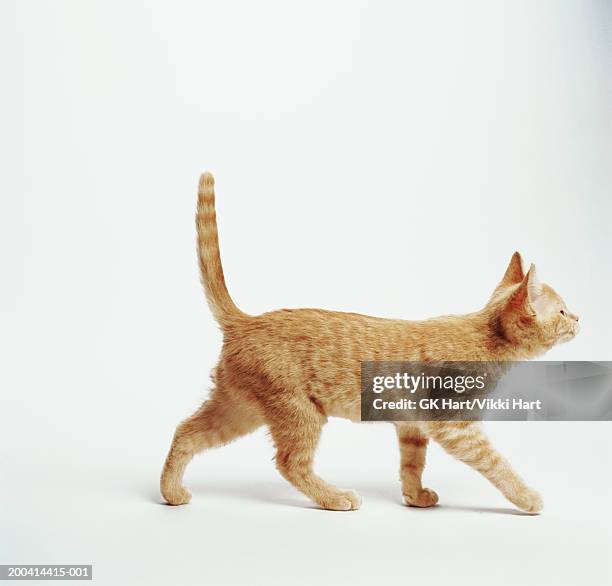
(219, 300)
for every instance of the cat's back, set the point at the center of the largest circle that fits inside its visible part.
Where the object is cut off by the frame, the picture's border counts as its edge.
(336, 334)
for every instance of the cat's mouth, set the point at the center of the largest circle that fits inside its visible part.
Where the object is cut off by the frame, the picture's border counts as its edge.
(569, 335)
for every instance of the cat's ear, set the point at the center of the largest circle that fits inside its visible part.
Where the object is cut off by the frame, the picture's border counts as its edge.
(534, 287)
(529, 292)
(514, 273)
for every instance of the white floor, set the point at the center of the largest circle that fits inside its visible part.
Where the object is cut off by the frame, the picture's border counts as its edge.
(246, 525)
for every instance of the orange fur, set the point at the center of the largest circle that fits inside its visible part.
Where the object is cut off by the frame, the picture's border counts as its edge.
(292, 369)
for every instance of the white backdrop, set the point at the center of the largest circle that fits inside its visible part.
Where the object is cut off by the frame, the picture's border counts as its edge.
(379, 157)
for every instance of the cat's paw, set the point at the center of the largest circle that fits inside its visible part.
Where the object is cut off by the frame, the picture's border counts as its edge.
(343, 500)
(177, 496)
(425, 498)
(529, 501)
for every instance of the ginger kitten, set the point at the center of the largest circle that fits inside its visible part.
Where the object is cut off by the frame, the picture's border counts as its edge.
(292, 369)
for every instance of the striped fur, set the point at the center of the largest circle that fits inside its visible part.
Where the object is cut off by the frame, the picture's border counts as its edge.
(292, 369)
(209, 257)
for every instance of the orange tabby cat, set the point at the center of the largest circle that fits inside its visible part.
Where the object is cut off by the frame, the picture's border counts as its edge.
(292, 369)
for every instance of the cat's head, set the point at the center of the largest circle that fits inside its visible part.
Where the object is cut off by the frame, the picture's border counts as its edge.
(528, 313)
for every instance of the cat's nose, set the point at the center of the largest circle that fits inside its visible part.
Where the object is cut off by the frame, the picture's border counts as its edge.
(574, 317)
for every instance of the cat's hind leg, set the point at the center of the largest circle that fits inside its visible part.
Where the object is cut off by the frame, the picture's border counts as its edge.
(467, 442)
(296, 429)
(413, 446)
(221, 419)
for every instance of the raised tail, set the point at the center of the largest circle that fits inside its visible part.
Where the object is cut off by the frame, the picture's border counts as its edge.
(219, 300)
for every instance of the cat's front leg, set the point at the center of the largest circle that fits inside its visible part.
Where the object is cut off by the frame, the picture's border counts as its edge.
(467, 442)
(413, 446)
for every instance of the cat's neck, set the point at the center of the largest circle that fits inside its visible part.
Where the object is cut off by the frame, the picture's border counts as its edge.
(492, 341)
(483, 339)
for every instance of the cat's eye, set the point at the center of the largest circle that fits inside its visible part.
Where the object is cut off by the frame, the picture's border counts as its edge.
(562, 312)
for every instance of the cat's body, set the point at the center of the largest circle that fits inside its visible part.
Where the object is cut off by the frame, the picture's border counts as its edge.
(291, 369)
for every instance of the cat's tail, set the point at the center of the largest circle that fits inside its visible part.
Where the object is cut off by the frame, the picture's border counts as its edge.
(219, 300)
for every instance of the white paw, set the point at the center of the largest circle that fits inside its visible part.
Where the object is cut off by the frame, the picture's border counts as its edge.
(425, 498)
(529, 501)
(177, 496)
(343, 500)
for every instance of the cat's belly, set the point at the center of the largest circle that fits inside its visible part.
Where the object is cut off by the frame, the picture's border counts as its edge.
(349, 411)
